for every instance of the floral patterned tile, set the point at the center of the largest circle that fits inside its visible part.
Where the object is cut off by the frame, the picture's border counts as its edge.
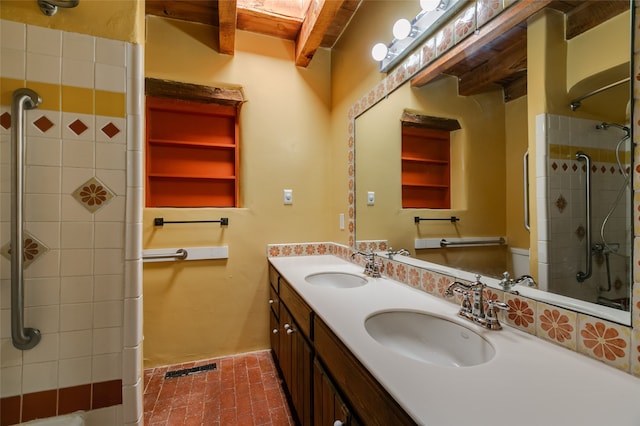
(557, 325)
(428, 52)
(604, 341)
(413, 277)
(464, 24)
(444, 39)
(375, 245)
(33, 249)
(428, 281)
(635, 353)
(635, 309)
(93, 195)
(298, 249)
(487, 10)
(522, 312)
(402, 272)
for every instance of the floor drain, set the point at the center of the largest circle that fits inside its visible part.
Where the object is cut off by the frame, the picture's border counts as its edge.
(187, 371)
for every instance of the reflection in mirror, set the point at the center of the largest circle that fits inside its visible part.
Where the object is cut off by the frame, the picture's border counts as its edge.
(515, 158)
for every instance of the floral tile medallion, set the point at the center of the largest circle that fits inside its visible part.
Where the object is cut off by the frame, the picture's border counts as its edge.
(604, 341)
(33, 249)
(557, 325)
(635, 353)
(521, 313)
(93, 195)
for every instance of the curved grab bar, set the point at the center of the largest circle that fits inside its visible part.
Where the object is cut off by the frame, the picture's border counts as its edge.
(23, 338)
(180, 254)
(525, 172)
(582, 276)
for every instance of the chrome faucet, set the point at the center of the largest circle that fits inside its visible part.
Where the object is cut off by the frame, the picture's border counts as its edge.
(508, 283)
(402, 252)
(472, 307)
(372, 268)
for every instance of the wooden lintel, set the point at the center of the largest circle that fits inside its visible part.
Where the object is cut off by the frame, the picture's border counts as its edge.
(227, 13)
(193, 92)
(271, 24)
(501, 65)
(592, 13)
(508, 19)
(317, 22)
(516, 89)
(413, 119)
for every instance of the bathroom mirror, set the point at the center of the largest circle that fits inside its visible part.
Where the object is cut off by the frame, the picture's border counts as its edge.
(502, 143)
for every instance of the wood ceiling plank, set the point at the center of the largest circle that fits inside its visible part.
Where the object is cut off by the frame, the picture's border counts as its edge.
(204, 11)
(270, 24)
(591, 13)
(509, 19)
(227, 10)
(319, 17)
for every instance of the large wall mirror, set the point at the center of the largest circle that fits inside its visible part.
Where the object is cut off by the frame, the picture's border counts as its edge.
(520, 194)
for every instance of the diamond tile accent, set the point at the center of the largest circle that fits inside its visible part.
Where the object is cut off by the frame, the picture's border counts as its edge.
(33, 249)
(561, 203)
(43, 124)
(110, 130)
(78, 127)
(5, 120)
(93, 195)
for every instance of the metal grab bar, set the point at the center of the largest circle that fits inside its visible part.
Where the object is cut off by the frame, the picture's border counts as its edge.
(23, 338)
(180, 254)
(525, 172)
(582, 276)
(496, 242)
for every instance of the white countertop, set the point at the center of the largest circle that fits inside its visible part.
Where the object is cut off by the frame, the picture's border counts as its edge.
(528, 382)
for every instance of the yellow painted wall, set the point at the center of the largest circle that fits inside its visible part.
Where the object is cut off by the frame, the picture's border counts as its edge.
(516, 142)
(203, 309)
(113, 19)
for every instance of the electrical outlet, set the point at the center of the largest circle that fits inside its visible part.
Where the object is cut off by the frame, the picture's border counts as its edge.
(288, 196)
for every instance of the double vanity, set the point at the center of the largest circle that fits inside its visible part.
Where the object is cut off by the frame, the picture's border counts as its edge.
(354, 349)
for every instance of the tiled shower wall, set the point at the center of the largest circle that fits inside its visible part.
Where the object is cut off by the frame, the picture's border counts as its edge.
(563, 177)
(82, 197)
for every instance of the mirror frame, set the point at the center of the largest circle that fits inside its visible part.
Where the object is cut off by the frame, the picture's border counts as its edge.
(403, 74)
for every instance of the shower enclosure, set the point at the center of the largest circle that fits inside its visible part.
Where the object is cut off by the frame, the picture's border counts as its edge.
(589, 239)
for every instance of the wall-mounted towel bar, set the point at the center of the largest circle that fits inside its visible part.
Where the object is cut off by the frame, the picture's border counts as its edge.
(180, 254)
(430, 243)
(451, 219)
(159, 221)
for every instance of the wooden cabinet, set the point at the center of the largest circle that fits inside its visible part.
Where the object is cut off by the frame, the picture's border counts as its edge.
(325, 383)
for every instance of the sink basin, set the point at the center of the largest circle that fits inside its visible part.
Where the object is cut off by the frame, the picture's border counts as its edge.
(336, 279)
(429, 338)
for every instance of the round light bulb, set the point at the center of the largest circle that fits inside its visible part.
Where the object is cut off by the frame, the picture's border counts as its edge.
(379, 51)
(401, 29)
(429, 5)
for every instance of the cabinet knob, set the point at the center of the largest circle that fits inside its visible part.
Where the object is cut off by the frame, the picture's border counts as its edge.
(274, 331)
(271, 301)
(290, 331)
(338, 423)
(287, 326)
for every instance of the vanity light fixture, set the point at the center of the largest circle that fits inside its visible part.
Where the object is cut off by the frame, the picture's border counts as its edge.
(408, 34)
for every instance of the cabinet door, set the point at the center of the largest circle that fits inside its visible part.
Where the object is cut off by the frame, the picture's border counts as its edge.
(301, 391)
(285, 356)
(274, 335)
(329, 408)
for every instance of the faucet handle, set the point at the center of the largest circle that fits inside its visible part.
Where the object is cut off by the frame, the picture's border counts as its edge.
(492, 314)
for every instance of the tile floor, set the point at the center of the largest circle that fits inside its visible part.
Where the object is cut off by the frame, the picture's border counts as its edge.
(243, 390)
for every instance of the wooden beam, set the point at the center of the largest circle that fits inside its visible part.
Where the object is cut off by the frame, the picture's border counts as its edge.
(268, 23)
(592, 13)
(511, 17)
(502, 64)
(204, 12)
(516, 89)
(193, 92)
(227, 12)
(315, 25)
(414, 119)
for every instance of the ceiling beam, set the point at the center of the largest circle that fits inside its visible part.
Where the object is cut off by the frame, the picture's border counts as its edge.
(591, 13)
(227, 12)
(317, 22)
(507, 20)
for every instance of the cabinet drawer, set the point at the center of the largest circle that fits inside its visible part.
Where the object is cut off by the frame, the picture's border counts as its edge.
(300, 311)
(367, 398)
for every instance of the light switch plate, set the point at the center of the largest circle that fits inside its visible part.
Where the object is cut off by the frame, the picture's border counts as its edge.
(371, 198)
(288, 196)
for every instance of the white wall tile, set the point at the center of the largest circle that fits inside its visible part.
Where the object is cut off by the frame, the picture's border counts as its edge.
(44, 318)
(42, 291)
(74, 372)
(44, 41)
(42, 207)
(109, 234)
(43, 151)
(10, 381)
(132, 367)
(76, 316)
(78, 73)
(13, 35)
(44, 68)
(111, 52)
(107, 340)
(45, 350)
(75, 262)
(5, 288)
(109, 261)
(40, 376)
(108, 287)
(103, 417)
(45, 266)
(111, 156)
(13, 64)
(9, 355)
(42, 180)
(54, 117)
(47, 232)
(113, 211)
(115, 180)
(77, 235)
(5, 323)
(108, 77)
(133, 315)
(76, 289)
(76, 344)
(108, 314)
(78, 46)
(120, 123)
(106, 367)
(72, 210)
(133, 408)
(88, 120)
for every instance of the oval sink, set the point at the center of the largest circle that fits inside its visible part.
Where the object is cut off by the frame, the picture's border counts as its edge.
(336, 279)
(429, 338)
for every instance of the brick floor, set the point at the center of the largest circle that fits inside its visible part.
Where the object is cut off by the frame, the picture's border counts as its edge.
(243, 390)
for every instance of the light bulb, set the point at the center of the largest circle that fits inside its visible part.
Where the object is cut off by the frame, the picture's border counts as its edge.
(401, 29)
(429, 5)
(379, 51)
